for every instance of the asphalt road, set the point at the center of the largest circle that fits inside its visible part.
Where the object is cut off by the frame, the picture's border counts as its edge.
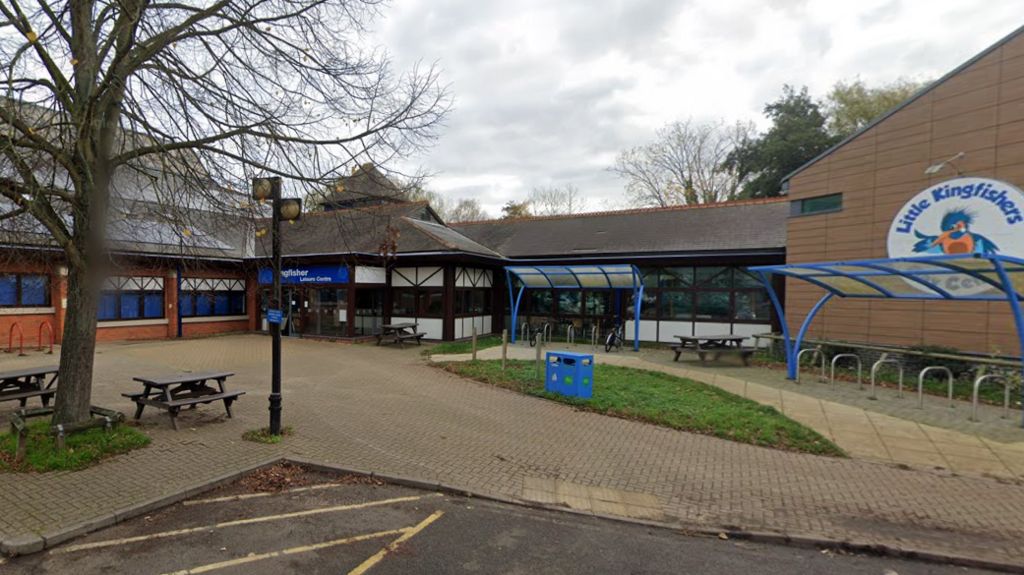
(385, 529)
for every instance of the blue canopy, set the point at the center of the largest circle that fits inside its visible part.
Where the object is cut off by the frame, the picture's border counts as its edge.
(591, 277)
(968, 277)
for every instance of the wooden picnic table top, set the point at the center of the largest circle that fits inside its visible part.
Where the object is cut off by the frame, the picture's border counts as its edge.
(725, 337)
(182, 378)
(398, 326)
(28, 372)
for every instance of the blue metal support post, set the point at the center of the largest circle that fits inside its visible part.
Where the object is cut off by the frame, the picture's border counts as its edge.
(1018, 315)
(791, 365)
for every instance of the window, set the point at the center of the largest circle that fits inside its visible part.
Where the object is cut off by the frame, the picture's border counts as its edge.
(418, 302)
(211, 297)
(676, 305)
(470, 302)
(818, 205)
(127, 298)
(704, 293)
(24, 290)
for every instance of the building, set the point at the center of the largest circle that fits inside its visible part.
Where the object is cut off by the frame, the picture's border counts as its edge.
(968, 127)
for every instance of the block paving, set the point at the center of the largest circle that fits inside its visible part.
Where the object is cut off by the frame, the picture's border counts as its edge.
(384, 410)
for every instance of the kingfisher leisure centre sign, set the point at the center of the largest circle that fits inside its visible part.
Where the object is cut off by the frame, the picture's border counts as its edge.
(961, 216)
(311, 274)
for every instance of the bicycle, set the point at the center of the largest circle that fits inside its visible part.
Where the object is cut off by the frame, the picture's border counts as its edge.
(614, 339)
(535, 331)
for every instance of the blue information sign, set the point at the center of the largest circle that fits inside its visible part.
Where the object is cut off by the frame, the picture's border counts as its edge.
(274, 316)
(311, 274)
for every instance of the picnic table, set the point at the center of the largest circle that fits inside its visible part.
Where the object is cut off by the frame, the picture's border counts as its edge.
(714, 345)
(22, 384)
(175, 391)
(399, 333)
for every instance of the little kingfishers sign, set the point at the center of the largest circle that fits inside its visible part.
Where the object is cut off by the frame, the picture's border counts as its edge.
(311, 274)
(958, 217)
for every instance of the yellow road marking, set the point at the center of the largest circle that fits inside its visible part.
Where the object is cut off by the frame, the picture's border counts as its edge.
(290, 551)
(244, 496)
(409, 534)
(249, 521)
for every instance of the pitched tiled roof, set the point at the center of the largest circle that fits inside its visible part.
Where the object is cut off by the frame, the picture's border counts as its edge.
(365, 230)
(730, 226)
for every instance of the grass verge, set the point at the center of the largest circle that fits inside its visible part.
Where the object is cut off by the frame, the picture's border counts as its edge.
(83, 448)
(263, 435)
(665, 400)
(466, 346)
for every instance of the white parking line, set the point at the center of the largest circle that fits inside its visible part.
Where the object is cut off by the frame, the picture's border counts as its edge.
(376, 558)
(244, 496)
(249, 521)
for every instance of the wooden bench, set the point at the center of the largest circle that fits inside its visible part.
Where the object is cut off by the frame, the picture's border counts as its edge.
(403, 337)
(182, 390)
(745, 353)
(22, 384)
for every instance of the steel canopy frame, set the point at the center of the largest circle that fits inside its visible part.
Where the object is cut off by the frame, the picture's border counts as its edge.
(578, 277)
(989, 277)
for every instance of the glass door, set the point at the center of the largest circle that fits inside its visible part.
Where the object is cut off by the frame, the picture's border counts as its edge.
(294, 308)
(369, 310)
(328, 312)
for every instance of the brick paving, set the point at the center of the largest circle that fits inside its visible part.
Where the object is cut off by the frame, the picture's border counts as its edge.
(383, 410)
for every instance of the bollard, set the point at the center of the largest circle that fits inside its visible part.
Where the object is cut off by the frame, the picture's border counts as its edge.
(474, 343)
(504, 348)
(540, 344)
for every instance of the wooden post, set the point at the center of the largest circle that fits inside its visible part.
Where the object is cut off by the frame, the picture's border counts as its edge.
(474, 342)
(504, 348)
(540, 344)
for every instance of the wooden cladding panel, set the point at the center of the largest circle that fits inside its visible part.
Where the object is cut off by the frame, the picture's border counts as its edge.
(980, 111)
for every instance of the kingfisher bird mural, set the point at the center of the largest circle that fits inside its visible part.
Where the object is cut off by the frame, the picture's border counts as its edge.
(956, 237)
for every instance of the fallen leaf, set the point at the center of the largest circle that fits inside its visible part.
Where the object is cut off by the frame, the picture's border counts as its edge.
(723, 536)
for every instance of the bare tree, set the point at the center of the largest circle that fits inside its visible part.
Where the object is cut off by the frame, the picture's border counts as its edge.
(684, 165)
(465, 210)
(556, 200)
(190, 99)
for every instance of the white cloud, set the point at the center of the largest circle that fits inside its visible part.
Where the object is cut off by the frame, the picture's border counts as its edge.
(548, 92)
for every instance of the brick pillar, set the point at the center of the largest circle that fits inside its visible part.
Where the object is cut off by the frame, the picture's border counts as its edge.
(171, 303)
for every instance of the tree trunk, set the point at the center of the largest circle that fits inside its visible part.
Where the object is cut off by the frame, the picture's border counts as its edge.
(74, 388)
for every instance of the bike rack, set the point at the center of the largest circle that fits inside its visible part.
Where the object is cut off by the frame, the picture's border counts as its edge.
(547, 332)
(814, 350)
(1006, 394)
(593, 337)
(49, 330)
(832, 373)
(570, 334)
(874, 371)
(21, 339)
(524, 333)
(920, 384)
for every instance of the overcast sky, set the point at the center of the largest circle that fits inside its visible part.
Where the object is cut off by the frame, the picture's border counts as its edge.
(548, 92)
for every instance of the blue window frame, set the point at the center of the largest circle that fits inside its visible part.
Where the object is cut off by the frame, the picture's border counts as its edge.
(212, 303)
(131, 298)
(24, 290)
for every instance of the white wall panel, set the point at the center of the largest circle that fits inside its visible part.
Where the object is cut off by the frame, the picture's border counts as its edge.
(431, 277)
(668, 330)
(370, 275)
(433, 327)
(749, 329)
(403, 277)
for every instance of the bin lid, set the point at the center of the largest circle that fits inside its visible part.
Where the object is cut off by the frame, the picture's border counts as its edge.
(570, 355)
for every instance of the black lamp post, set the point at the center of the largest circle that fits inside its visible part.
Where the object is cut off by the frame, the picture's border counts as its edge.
(289, 210)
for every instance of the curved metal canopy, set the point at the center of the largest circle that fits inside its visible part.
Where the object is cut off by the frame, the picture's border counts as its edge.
(577, 277)
(968, 277)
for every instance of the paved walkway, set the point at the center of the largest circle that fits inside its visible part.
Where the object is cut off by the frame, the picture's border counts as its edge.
(890, 429)
(382, 409)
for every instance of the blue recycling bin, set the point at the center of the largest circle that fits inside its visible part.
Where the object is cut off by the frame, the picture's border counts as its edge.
(570, 374)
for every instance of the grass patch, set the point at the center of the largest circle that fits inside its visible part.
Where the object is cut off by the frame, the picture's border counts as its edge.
(83, 448)
(482, 342)
(263, 435)
(666, 400)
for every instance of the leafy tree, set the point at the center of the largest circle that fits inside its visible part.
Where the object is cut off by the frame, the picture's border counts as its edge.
(797, 135)
(851, 105)
(684, 165)
(556, 200)
(194, 98)
(513, 209)
(465, 210)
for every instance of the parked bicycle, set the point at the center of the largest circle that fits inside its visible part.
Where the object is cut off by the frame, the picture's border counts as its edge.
(614, 338)
(537, 331)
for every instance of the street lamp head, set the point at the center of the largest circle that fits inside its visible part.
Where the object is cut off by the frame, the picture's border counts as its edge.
(263, 188)
(290, 209)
